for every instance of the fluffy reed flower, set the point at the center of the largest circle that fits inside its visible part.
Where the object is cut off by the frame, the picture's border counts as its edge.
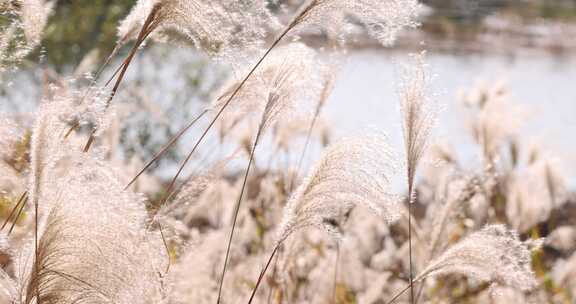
(383, 19)
(353, 172)
(10, 134)
(196, 282)
(282, 86)
(461, 191)
(493, 254)
(89, 243)
(419, 114)
(92, 246)
(34, 15)
(22, 29)
(215, 27)
(50, 128)
(497, 117)
(533, 193)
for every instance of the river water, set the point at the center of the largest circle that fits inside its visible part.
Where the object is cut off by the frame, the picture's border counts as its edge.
(366, 96)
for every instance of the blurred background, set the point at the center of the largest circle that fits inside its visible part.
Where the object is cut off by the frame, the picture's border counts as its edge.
(524, 47)
(455, 26)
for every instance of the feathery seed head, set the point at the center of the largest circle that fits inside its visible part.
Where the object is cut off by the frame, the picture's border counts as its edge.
(493, 254)
(282, 86)
(34, 15)
(92, 244)
(219, 28)
(356, 171)
(419, 114)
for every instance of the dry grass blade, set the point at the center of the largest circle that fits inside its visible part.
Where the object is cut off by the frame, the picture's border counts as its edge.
(148, 27)
(18, 215)
(328, 86)
(13, 212)
(280, 98)
(165, 148)
(236, 211)
(263, 273)
(227, 102)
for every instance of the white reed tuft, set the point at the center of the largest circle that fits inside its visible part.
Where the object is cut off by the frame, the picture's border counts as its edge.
(22, 28)
(533, 194)
(219, 28)
(493, 254)
(282, 87)
(34, 15)
(419, 114)
(92, 245)
(355, 171)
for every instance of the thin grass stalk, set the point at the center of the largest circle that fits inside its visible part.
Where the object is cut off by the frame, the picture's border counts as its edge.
(13, 210)
(165, 243)
(70, 130)
(410, 243)
(93, 82)
(147, 28)
(274, 44)
(401, 292)
(410, 175)
(274, 273)
(165, 148)
(219, 113)
(18, 215)
(323, 98)
(263, 273)
(36, 253)
(237, 207)
(336, 268)
(306, 144)
(419, 292)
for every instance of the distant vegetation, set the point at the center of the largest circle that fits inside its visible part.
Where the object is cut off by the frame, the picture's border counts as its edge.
(73, 21)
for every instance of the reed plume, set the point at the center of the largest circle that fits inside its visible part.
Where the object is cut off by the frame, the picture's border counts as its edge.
(219, 28)
(34, 15)
(353, 172)
(496, 119)
(418, 118)
(494, 245)
(22, 28)
(92, 246)
(494, 255)
(533, 194)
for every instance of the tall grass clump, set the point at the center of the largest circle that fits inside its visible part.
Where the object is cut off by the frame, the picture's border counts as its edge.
(353, 172)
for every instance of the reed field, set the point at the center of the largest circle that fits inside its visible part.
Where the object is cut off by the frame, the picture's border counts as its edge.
(221, 181)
